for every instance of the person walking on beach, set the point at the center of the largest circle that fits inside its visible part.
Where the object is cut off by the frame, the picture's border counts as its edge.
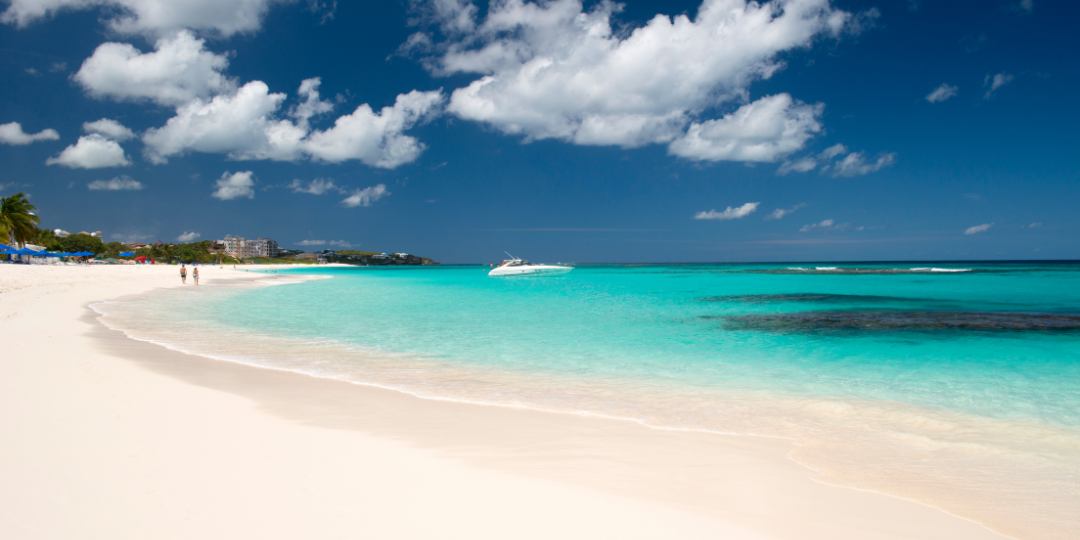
(183, 274)
(195, 274)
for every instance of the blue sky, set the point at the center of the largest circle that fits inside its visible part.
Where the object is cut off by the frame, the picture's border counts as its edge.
(559, 131)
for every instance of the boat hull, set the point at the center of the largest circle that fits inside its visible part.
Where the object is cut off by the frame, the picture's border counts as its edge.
(531, 270)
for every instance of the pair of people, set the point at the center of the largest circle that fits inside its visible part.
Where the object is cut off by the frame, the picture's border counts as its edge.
(183, 274)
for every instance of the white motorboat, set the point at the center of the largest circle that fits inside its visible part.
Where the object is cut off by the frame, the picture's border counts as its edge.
(519, 267)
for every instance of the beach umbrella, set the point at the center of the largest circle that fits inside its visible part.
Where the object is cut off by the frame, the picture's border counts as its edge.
(6, 248)
(127, 254)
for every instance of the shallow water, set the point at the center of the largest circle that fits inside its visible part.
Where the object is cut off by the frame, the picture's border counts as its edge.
(957, 385)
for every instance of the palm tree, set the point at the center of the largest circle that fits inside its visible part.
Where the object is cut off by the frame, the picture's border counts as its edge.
(17, 220)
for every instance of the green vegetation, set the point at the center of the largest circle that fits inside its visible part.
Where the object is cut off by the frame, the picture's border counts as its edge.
(199, 252)
(18, 224)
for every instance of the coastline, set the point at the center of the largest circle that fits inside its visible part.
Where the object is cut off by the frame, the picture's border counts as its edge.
(128, 439)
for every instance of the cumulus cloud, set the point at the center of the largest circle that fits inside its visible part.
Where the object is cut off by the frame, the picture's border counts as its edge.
(855, 164)
(833, 151)
(119, 183)
(234, 186)
(806, 164)
(188, 237)
(550, 70)
(1032, 225)
(729, 212)
(763, 130)
(1023, 6)
(12, 133)
(179, 70)
(244, 125)
(941, 93)
(828, 223)
(109, 128)
(219, 17)
(994, 82)
(315, 187)
(779, 213)
(366, 196)
(91, 151)
(978, 228)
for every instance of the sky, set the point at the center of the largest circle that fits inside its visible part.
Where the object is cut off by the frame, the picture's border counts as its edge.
(558, 130)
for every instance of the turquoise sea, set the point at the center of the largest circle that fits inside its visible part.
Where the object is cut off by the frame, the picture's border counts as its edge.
(954, 384)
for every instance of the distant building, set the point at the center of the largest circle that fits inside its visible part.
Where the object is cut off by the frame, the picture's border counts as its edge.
(265, 247)
(61, 233)
(238, 246)
(242, 248)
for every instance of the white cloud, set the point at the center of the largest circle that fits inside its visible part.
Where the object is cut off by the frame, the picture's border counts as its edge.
(178, 71)
(91, 152)
(995, 82)
(806, 164)
(552, 71)
(823, 225)
(109, 128)
(220, 17)
(238, 124)
(375, 139)
(729, 213)
(763, 130)
(243, 125)
(1032, 225)
(779, 213)
(855, 164)
(188, 237)
(978, 228)
(119, 183)
(941, 93)
(366, 196)
(833, 151)
(1024, 6)
(12, 133)
(315, 187)
(234, 186)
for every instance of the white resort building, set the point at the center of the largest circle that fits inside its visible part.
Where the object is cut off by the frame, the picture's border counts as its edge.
(242, 248)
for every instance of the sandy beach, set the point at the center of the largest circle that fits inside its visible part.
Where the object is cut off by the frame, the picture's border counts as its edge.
(109, 437)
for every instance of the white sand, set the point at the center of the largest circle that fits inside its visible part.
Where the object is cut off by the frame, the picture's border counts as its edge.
(106, 437)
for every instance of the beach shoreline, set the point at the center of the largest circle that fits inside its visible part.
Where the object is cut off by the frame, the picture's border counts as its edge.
(321, 457)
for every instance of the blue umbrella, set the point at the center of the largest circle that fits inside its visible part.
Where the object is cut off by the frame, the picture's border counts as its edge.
(6, 248)
(9, 252)
(127, 254)
(25, 251)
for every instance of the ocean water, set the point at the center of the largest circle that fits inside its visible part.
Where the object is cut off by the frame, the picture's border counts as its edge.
(956, 385)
